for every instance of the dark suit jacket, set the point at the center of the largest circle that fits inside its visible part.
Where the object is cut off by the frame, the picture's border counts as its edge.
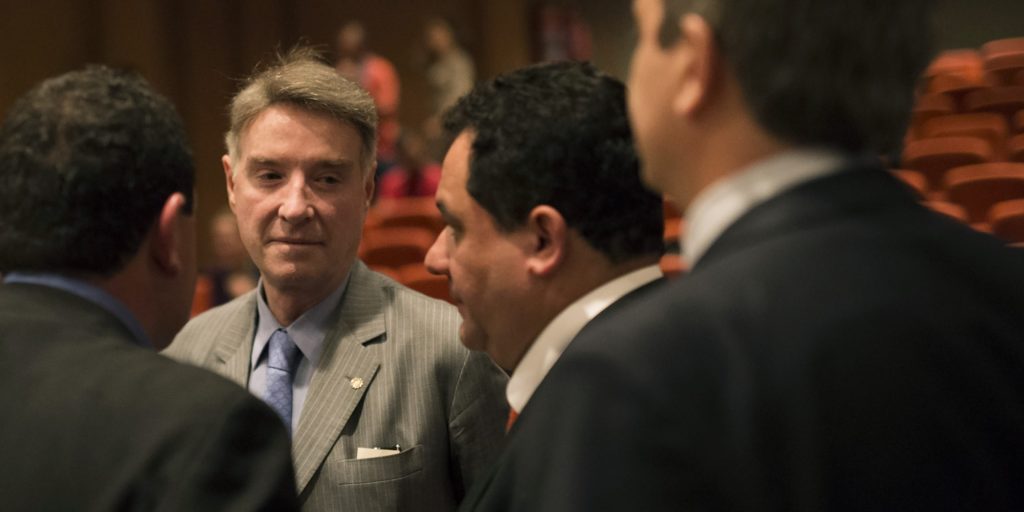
(495, 491)
(92, 421)
(838, 348)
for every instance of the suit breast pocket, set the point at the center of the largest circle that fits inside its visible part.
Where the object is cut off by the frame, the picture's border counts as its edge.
(380, 469)
(386, 484)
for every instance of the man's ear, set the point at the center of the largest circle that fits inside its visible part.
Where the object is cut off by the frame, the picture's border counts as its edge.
(700, 68)
(547, 237)
(165, 245)
(229, 180)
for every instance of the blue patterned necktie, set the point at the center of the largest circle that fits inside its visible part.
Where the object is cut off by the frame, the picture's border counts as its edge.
(283, 358)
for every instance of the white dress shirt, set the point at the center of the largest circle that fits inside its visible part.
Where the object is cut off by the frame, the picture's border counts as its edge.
(307, 331)
(553, 340)
(725, 201)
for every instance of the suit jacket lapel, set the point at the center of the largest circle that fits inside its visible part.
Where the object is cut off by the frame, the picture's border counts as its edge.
(232, 347)
(344, 372)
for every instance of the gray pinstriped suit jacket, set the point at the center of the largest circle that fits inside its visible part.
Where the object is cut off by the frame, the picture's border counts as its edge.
(421, 389)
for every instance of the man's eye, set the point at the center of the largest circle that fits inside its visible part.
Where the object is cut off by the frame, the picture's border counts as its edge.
(267, 176)
(455, 232)
(329, 180)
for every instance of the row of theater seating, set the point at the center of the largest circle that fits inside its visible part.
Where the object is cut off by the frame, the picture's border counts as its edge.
(964, 150)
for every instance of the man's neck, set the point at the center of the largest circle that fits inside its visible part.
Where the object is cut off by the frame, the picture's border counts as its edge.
(287, 305)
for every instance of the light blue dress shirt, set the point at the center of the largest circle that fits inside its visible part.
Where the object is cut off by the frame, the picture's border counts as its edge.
(308, 332)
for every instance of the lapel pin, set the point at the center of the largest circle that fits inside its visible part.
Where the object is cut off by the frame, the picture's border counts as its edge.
(356, 382)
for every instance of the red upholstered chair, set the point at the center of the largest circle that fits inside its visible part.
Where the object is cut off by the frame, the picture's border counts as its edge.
(965, 62)
(978, 187)
(1015, 148)
(674, 228)
(927, 106)
(987, 125)
(1003, 58)
(915, 180)
(672, 265)
(418, 212)
(1004, 100)
(1018, 122)
(1007, 220)
(417, 277)
(954, 211)
(934, 156)
(395, 246)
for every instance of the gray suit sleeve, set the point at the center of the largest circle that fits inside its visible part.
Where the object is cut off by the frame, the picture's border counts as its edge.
(478, 414)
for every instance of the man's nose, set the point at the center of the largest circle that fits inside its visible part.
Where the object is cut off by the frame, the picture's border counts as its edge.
(296, 206)
(436, 259)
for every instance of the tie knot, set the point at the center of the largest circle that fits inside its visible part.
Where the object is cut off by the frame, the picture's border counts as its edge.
(283, 353)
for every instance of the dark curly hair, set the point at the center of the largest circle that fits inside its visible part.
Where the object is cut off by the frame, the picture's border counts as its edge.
(87, 160)
(558, 134)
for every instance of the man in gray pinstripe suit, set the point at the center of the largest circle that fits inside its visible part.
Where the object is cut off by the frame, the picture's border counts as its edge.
(388, 410)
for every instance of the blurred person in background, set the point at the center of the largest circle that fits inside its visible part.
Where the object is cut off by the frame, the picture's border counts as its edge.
(450, 74)
(378, 76)
(414, 175)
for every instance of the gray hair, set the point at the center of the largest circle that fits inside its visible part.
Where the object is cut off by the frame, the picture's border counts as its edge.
(300, 78)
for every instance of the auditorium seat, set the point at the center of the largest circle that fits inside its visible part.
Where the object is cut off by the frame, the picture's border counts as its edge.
(1018, 122)
(934, 156)
(978, 187)
(1003, 58)
(1005, 100)
(964, 62)
(956, 86)
(395, 246)
(989, 126)
(672, 265)
(407, 212)
(927, 106)
(1007, 220)
(673, 228)
(915, 180)
(417, 277)
(949, 209)
(1015, 148)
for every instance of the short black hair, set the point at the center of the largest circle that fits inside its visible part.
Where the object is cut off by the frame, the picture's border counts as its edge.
(823, 73)
(87, 161)
(558, 134)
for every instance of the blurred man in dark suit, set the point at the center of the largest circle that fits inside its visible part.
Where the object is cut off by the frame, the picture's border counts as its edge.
(97, 251)
(836, 346)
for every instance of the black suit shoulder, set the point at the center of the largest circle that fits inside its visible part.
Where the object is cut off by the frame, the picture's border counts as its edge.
(101, 423)
(838, 348)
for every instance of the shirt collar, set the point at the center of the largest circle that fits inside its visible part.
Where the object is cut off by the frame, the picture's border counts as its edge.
(721, 204)
(553, 340)
(88, 292)
(307, 331)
